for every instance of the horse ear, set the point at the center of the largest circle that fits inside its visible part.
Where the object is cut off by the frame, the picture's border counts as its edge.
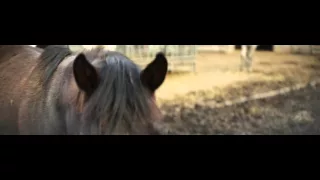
(85, 74)
(154, 74)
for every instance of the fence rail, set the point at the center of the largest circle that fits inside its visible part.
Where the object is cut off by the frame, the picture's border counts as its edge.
(180, 57)
(315, 49)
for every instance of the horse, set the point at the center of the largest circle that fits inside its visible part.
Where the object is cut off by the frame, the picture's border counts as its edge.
(54, 91)
(246, 57)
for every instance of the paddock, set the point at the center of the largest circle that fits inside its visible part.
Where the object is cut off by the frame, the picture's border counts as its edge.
(216, 70)
(187, 98)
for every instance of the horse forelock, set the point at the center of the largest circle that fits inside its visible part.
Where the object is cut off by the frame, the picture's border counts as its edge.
(121, 104)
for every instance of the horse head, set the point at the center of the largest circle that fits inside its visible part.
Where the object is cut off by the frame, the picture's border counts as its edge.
(107, 93)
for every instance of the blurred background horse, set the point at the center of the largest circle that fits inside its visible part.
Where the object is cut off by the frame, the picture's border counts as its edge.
(246, 57)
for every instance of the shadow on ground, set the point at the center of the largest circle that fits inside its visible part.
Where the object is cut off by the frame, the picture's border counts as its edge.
(294, 113)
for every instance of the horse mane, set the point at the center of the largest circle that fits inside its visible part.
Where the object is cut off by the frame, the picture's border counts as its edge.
(50, 59)
(121, 99)
(45, 46)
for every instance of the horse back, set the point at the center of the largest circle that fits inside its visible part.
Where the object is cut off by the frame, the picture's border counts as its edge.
(16, 64)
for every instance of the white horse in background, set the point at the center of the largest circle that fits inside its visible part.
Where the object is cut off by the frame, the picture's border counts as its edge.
(247, 52)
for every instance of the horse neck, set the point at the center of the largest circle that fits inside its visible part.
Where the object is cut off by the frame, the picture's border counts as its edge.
(69, 91)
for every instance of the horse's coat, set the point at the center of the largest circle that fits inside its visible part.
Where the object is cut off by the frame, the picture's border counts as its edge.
(53, 91)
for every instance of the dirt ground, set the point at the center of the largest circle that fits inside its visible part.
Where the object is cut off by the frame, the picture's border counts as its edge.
(292, 114)
(218, 79)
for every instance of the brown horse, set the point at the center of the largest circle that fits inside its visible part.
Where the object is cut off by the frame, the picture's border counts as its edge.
(95, 92)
